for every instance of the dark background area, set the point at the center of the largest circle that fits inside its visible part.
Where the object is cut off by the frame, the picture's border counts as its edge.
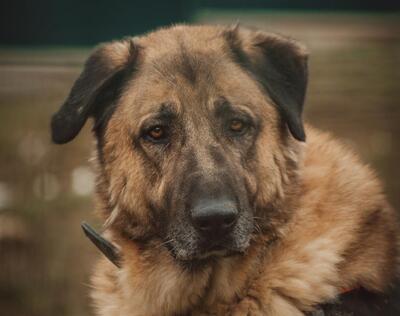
(78, 22)
(46, 190)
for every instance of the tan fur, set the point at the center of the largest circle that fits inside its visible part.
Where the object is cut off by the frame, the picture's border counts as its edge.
(330, 245)
(336, 229)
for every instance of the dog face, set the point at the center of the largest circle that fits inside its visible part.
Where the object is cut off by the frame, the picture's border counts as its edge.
(192, 131)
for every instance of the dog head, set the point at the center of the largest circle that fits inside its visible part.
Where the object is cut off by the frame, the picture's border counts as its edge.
(194, 127)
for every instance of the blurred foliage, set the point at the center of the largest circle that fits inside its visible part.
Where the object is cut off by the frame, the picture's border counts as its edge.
(77, 22)
(84, 22)
(45, 189)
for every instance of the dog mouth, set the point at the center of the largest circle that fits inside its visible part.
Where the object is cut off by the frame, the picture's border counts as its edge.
(200, 258)
(204, 259)
(215, 251)
(203, 253)
(185, 244)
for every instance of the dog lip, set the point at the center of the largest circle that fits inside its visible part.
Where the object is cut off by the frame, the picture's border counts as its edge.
(216, 253)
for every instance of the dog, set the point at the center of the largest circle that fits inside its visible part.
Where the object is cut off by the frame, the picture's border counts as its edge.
(216, 198)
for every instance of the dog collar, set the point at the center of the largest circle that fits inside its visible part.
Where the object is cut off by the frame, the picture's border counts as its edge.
(107, 248)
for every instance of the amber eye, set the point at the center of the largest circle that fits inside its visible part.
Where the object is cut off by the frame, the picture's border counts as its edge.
(237, 126)
(156, 133)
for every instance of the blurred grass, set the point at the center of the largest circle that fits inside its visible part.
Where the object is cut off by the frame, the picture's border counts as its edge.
(45, 260)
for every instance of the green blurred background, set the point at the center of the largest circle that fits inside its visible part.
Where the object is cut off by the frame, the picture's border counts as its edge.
(46, 190)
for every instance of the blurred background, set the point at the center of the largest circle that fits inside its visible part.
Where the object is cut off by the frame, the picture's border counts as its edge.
(46, 190)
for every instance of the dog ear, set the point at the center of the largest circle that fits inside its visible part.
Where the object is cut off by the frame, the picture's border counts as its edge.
(280, 65)
(97, 86)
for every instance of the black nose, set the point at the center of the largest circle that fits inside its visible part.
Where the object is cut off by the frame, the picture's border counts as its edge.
(216, 217)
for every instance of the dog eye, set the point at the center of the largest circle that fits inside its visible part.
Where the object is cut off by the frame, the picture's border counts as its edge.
(237, 126)
(156, 134)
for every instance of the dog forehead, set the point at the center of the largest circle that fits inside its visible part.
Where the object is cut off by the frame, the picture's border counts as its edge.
(166, 40)
(190, 67)
(189, 53)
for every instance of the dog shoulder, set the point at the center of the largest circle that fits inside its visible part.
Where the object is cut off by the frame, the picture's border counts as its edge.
(333, 166)
(345, 194)
(343, 233)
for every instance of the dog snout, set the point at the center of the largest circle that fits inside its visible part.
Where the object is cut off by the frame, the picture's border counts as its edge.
(214, 217)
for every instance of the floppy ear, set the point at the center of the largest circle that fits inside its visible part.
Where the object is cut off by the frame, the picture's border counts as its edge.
(96, 87)
(280, 65)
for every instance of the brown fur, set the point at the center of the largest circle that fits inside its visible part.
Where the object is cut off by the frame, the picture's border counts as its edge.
(321, 224)
(343, 234)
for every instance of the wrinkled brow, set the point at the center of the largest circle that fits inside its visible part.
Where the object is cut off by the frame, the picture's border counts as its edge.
(166, 110)
(163, 112)
(222, 106)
